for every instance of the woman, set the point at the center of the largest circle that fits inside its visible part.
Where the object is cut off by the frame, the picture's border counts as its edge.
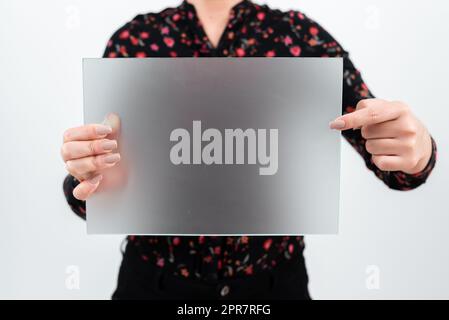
(392, 141)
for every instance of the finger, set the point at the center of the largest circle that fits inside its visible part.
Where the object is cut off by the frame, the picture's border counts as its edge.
(83, 166)
(371, 112)
(364, 103)
(87, 132)
(389, 129)
(339, 123)
(384, 147)
(113, 120)
(80, 149)
(87, 187)
(388, 163)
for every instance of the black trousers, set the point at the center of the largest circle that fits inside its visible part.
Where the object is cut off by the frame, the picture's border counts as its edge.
(139, 280)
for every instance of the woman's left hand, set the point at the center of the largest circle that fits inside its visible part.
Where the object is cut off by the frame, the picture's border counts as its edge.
(395, 138)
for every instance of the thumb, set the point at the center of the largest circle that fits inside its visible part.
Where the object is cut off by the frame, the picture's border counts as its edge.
(113, 120)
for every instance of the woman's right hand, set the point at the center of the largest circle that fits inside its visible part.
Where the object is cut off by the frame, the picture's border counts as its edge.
(88, 150)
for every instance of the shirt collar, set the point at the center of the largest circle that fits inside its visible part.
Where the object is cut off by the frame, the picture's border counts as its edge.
(238, 13)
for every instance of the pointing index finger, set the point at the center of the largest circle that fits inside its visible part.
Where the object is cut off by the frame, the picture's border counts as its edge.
(373, 112)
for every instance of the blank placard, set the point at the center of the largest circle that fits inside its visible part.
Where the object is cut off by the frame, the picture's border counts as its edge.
(218, 146)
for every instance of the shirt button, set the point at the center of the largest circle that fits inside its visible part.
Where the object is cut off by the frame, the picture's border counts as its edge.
(224, 291)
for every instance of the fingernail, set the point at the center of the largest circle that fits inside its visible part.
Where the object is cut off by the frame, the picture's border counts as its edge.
(110, 120)
(112, 158)
(102, 129)
(109, 145)
(337, 124)
(95, 179)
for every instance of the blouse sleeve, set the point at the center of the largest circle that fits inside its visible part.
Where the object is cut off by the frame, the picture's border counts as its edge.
(77, 206)
(322, 44)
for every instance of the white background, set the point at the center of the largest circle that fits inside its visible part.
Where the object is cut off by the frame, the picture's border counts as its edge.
(400, 46)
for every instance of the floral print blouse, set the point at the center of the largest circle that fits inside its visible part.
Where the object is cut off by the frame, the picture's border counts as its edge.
(253, 31)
